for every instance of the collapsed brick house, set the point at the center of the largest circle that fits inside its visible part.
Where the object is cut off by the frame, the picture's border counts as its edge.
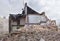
(28, 17)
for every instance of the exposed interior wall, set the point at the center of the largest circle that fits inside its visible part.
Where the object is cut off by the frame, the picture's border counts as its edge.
(37, 18)
(22, 21)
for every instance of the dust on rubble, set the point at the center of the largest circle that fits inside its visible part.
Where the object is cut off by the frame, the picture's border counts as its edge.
(34, 33)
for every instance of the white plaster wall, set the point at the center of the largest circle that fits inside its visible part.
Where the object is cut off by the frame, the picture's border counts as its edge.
(36, 18)
(4, 26)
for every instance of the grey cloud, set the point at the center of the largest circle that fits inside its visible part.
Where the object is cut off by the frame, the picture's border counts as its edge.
(9, 6)
(35, 5)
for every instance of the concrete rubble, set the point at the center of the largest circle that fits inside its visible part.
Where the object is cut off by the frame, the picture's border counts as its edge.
(45, 32)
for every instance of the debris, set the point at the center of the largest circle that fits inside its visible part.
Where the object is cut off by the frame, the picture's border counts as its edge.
(34, 33)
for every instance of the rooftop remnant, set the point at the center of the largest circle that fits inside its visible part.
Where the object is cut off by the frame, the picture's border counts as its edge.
(28, 17)
(18, 20)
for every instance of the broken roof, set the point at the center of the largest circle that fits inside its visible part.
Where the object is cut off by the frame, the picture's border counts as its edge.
(29, 10)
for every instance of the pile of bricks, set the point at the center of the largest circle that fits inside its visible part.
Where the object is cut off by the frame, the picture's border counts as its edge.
(47, 32)
(33, 33)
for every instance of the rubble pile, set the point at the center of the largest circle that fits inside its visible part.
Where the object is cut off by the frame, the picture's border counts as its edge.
(33, 33)
(46, 32)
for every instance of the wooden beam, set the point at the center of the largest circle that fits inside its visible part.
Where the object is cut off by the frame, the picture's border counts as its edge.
(9, 24)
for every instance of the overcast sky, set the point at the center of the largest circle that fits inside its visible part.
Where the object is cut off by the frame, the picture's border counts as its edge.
(51, 7)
